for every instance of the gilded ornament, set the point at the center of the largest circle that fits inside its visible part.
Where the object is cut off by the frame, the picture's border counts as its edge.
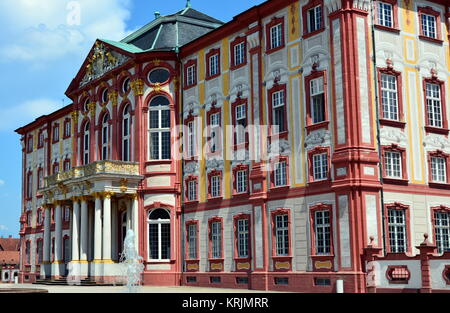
(138, 87)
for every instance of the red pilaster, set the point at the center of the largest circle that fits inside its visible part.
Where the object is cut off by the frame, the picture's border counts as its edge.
(426, 250)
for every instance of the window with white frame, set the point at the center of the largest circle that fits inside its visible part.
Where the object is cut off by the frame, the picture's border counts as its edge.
(241, 181)
(105, 137)
(278, 112)
(56, 133)
(397, 230)
(314, 16)
(67, 129)
(40, 249)
(239, 53)
(216, 240)
(192, 241)
(159, 130)
(241, 123)
(86, 144)
(126, 134)
(317, 100)
(438, 169)
(30, 186)
(242, 238)
(41, 139)
(191, 139)
(322, 229)
(442, 230)
(389, 97)
(428, 25)
(66, 166)
(191, 75)
(159, 235)
(40, 178)
(434, 105)
(215, 131)
(393, 164)
(280, 174)
(276, 36)
(214, 65)
(192, 190)
(320, 166)
(282, 234)
(215, 186)
(28, 252)
(385, 14)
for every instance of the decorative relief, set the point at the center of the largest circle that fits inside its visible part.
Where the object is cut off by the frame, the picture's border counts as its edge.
(240, 157)
(192, 108)
(214, 100)
(102, 61)
(361, 4)
(436, 142)
(239, 90)
(333, 5)
(318, 138)
(279, 147)
(279, 75)
(214, 164)
(389, 136)
(253, 40)
(191, 168)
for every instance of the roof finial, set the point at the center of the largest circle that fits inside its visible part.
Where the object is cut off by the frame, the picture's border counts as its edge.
(188, 4)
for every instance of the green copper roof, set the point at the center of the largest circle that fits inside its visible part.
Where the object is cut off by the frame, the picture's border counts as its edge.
(123, 46)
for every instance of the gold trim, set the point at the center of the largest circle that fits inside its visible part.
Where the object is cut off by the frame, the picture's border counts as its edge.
(192, 267)
(216, 266)
(323, 265)
(58, 262)
(282, 265)
(243, 266)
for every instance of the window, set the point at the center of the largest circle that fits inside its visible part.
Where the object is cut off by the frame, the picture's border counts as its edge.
(278, 114)
(40, 139)
(280, 174)
(397, 230)
(393, 164)
(281, 281)
(55, 168)
(40, 178)
(126, 134)
(86, 144)
(159, 130)
(238, 52)
(159, 235)
(56, 133)
(215, 123)
(40, 251)
(190, 73)
(398, 274)
(215, 186)
(105, 137)
(39, 217)
(317, 100)
(282, 234)
(242, 237)
(105, 97)
(389, 97)
(275, 34)
(213, 63)
(430, 24)
(29, 185)
(434, 105)
(66, 217)
(67, 165)
(191, 140)
(126, 86)
(28, 252)
(159, 76)
(66, 250)
(240, 118)
(385, 14)
(314, 19)
(320, 166)
(67, 129)
(242, 181)
(442, 230)
(216, 239)
(192, 240)
(322, 231)
(438, 169)
(191, 189)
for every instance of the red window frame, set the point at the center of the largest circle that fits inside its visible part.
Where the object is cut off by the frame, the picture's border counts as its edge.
(398, 75)
(216, 264)
(402, 151)
(234, 43)
(54, 166)
(242, 263)
(274, 161)
(190, 119)
(67, 123)
(211, 112)
(82, 135)
(39, 173)
(41, 221)
(189, 223)
(442, 209)
(270, 92)
(236, 169)
(439, 154)
(310, 126)
(311, 154)
(29, 186)
(395, 27)
(430, 11)
(446, 274)
(39, 240)
(30, 144)
(188, 64)
(274, 22)
(312, 4)
(210, 176)
(391, 268)
(27, 253)
(40, 139)
(66, 161)
(234, 105)
(398, 206)
(54, 138)
(312, 212)
(281, 263)
(186, 181)
(431, 129)
(211, 53)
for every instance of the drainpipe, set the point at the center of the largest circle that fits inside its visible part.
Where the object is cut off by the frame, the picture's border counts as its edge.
(377, 110)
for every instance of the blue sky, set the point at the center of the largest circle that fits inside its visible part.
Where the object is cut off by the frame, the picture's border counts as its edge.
(41, 49)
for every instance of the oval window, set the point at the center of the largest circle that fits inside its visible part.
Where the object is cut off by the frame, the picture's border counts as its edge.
(126, 85)
(159, 76)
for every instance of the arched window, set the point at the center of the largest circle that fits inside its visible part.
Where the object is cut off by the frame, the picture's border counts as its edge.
(123, 229)
(126, 137)
(105, 137)
(86, 143)
(66, 249)
(159, 235)
(159, 129)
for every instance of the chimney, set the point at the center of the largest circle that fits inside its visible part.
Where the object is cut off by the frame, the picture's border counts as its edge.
(157, 15)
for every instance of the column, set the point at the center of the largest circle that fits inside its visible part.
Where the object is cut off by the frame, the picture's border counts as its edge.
(84, 230)
(134, 220)
(98, 228)
(58, 233)
(47, 216)
(75, 230)
(107, 227)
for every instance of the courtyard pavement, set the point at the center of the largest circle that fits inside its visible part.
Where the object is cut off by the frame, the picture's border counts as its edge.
(122, 289)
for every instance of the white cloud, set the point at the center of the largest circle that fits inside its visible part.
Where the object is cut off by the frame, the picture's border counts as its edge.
(16, 116)
(3, 228)
(2, 182)
(43, 30)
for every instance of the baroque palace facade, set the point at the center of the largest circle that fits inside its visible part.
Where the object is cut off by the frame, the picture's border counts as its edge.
(302, 146)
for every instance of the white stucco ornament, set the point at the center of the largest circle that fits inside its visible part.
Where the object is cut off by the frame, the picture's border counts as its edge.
(433, 142)
(317, 138)
(389, 136)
